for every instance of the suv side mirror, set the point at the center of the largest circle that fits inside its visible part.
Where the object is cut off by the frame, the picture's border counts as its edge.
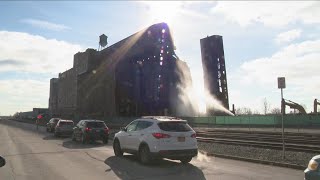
(2, 161)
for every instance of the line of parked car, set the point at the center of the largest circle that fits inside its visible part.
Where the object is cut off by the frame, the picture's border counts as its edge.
(84, 131)
(149, 138)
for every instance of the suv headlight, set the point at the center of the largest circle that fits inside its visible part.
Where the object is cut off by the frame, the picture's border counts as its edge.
(313, 165)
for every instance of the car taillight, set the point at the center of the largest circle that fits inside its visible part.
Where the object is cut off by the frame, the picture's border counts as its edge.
(106, 130)
(194, 135)
(88, 129)
(160, 135)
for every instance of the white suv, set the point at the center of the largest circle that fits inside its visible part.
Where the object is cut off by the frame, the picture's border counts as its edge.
(157, 137)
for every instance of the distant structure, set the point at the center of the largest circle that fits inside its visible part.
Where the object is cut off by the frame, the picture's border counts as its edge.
(103, 41)
(292, 105)
(315, 106)
(137, 76)
(34, 113)
(214, 70)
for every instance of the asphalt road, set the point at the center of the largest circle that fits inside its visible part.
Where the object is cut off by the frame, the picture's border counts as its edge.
(33, 155)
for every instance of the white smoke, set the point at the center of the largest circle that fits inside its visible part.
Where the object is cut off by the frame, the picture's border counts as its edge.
(203, 157)
(191, 102)
(189, 105)
(213, 103)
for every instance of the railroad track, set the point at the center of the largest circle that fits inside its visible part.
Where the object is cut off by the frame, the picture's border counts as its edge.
(303, 142)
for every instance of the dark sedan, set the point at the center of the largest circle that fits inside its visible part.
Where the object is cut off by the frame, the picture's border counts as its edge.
(87, 130)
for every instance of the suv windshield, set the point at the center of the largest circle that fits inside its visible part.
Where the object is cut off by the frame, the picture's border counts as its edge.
(96, 125)
(174, 126)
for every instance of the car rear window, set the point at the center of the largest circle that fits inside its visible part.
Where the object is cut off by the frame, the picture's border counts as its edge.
(96, 124)
(174, 126)
(66, 123)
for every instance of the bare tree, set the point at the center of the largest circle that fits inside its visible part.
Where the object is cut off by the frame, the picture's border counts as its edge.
(256, 112)
(238, 111)
(266, 106)
(16, 114)
(247, 111)
(275, 111)
(243, 111)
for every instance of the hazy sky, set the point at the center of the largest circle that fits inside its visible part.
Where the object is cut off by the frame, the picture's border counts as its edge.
(262, 40)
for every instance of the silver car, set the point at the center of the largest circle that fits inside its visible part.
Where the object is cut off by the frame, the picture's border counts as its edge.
(64, 127)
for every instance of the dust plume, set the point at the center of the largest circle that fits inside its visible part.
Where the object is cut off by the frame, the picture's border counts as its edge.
(195, 101)
(203, 157)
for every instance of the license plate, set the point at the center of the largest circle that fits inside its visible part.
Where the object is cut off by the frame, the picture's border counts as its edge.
(181, 139)
(97, 130)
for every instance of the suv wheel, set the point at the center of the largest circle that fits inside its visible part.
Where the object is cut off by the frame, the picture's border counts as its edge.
(56, 134)
(144, 154)
(105, 140)
(186, 160)
(117, 148)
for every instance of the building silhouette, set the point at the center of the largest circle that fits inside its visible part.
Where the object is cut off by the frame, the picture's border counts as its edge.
(136, 76)
(214, 71)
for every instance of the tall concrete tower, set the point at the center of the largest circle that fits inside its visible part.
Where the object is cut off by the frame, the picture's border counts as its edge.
(214, 70)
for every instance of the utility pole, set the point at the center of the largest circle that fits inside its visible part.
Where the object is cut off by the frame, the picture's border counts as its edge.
(282, 85)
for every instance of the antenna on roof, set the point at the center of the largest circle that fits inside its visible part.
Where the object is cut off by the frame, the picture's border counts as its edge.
(103, 41)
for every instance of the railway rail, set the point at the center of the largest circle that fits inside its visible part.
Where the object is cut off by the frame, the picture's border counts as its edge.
(303, 142)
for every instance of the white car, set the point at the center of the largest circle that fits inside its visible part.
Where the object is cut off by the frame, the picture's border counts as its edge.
(157, 137)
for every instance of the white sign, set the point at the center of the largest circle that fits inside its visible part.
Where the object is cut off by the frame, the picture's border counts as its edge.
(281, 82)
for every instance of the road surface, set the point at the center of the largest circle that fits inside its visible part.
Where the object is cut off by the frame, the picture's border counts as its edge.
(33, 155)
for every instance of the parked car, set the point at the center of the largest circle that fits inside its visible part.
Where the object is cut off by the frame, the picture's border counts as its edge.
(313, 170)
(90, 130)
(157, 137)
(52, 124)
(64, 127)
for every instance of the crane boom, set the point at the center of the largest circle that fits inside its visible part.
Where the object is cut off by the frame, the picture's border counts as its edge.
(292, 105)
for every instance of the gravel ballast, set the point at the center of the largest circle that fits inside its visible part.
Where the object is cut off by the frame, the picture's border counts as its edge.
(292, 157)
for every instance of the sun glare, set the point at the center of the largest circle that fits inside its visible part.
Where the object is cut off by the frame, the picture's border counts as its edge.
(163, 11)
(168, 12)
(202, 106)
(200, 96)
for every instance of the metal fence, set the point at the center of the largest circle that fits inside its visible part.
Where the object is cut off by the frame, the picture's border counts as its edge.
(300, 121)
(268, 120)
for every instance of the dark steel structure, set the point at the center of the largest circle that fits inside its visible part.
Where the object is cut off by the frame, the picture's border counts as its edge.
(292, 105)
(214, 70)
(136, 76)
(315, 106)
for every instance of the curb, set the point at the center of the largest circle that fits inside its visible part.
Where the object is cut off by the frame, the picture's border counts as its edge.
(287, 165)
(33, 126)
